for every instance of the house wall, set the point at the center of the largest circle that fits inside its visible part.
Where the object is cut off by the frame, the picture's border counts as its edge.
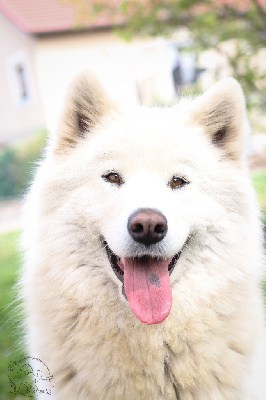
(139, 71)
(20, 106)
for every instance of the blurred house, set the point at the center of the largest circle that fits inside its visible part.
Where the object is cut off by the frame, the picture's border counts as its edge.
(42, 48)
(20, 102)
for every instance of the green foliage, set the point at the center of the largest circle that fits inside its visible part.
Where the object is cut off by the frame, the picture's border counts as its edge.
(8, 173)
(212, 25)
(16, 164)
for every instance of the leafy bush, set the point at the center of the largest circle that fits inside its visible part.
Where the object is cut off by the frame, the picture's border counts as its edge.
(16, 164)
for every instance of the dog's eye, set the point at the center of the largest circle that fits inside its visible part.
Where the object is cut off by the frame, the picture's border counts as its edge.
(113, 177)
(177, 182)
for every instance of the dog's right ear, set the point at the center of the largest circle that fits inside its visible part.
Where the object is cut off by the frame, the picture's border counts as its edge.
(85, 105)
(221, 111)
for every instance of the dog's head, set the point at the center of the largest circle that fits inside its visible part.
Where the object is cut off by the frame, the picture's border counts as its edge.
(158, 190)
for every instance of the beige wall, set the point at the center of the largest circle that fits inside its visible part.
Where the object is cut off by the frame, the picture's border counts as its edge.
(18, 117)
(124, 68)
(130, 72)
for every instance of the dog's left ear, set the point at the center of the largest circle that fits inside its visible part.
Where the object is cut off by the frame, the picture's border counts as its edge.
(221, 111)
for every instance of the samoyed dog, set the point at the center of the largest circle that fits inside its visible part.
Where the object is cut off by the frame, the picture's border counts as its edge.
(143, 251)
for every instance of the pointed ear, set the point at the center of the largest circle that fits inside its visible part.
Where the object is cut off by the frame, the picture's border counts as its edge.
(222, 113)
(85, 105)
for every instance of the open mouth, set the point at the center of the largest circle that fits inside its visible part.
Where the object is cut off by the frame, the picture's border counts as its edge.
(146, 284)
(118, 267)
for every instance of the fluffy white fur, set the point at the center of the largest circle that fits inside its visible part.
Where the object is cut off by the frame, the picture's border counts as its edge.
(78, 321)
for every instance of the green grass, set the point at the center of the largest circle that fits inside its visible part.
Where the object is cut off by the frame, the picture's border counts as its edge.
(10, 349)
(259, 182)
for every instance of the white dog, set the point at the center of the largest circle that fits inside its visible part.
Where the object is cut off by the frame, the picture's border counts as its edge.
(144, 252)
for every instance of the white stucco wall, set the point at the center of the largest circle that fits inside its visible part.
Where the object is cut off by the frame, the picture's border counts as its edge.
(132, 72)
(18, 117)
(127, 70)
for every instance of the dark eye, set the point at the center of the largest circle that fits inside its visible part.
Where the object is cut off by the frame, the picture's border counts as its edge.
(177, 182)
(113, 177)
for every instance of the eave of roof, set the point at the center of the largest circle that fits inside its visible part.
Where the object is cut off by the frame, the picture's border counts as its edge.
(50, 16)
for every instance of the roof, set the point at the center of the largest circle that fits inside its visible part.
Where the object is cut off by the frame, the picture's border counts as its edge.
(43, 16)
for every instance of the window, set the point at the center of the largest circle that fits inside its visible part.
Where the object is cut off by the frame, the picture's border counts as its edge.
(18, 70)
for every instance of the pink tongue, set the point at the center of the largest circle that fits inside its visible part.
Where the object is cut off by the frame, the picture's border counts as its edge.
(148, 289)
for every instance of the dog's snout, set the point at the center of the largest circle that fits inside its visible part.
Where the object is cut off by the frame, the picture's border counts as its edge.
(147, 226)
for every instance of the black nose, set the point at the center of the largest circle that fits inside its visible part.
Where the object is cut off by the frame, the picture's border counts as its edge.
(147, 226)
